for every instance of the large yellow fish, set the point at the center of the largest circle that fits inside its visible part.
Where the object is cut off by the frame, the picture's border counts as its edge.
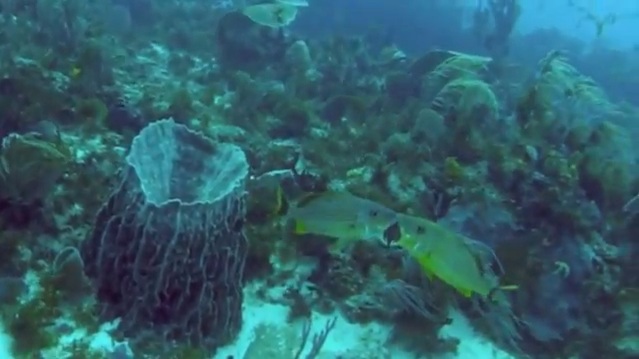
(446, 255)
(343, 216)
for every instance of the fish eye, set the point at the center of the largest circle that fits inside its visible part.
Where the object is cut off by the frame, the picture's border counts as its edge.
(374, 213)
(421, 230)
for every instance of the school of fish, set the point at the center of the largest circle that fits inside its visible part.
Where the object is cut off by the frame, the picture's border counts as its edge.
(440, 252)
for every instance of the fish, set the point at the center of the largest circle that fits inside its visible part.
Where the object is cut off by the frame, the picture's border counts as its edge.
(343, 216)
(448, 256)
(297, 3)
(75, 72)
(273, 15)
(267, 199)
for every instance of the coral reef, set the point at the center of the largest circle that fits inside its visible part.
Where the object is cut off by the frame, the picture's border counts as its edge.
(123, 236)
(30, 167)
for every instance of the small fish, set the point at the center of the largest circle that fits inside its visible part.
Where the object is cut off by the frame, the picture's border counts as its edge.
(75, 72)
(343, 216)
(273, 15)
(298, 3)
(46, 129)
(448, 256)
(267, 199)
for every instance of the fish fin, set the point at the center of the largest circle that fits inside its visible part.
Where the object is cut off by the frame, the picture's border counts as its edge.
(509, 287)
(369, 234)
(340, 243)
(491, 294)
(483, 254)
(467, 293)
(282, 206)
(429, 275)
(424, 262)
(299, 227)
(307, 198)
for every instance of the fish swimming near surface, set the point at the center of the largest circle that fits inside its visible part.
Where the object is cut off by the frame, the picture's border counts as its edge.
(448, 256)
(298, 3)
(274, 15)
(343, 216)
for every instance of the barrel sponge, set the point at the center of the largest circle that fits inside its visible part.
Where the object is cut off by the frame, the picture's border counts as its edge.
(167, 251)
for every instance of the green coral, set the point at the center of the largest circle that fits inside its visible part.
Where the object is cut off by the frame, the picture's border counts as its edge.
(340, 106)
(453, 171)
(36, 93)
(10, 242)
(294, 116)
(93, 66)
(92, 112)
(460, 66)
(560, 168)
(30, 166)
(185, 352)
(429, 61)
(81, 349)
(605, 168)
(28, 324)
(579, 136)
(471, 99)
(31, 323)
(607, 181)
(181, 106)
(400, 86)
(558, 80)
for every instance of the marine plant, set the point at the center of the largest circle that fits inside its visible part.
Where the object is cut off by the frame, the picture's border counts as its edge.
(30, 167)
(537, 167)
(59, 286)
(92, 112)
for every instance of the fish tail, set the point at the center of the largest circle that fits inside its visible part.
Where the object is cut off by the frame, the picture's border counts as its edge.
(491, 293)
(282, 205)
(467, 293)
(299, 228)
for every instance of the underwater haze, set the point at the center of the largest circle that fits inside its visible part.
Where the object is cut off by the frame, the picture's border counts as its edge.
(319, 179)
(575, 19)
